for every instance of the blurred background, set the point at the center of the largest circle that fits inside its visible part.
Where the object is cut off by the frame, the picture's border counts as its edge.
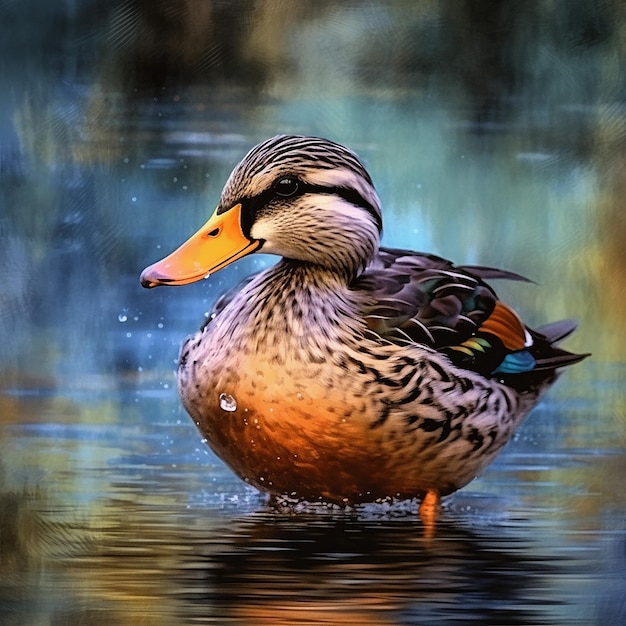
(495, 132)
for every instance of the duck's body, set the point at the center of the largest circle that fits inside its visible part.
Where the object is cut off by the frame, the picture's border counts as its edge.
(348, 372)
(326, 409)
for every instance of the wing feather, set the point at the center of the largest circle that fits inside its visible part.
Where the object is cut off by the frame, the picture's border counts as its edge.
(426, 300)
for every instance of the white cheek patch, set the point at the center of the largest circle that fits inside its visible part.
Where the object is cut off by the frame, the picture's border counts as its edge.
(305, 217)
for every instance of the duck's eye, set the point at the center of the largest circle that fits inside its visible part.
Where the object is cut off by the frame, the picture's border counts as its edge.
(286, 187)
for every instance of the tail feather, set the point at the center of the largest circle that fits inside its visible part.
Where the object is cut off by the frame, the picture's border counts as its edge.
(549, 358)
(557, 331)
(548, 355)
(558, 360)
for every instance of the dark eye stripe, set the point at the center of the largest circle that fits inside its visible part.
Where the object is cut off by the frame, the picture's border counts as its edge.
(255, 203)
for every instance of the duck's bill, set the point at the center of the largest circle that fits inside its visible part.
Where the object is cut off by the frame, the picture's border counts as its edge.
(217, 244)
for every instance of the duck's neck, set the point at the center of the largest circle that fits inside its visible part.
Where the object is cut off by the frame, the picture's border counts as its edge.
(292, 307)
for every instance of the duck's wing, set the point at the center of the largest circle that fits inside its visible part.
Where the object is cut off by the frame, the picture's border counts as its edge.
(423, 299)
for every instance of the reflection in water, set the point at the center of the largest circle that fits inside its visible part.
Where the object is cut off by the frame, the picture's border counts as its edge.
(375, 571)
(495, 133)
(167, 565)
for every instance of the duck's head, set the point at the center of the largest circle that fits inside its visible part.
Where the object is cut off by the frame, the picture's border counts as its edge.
(303, 198)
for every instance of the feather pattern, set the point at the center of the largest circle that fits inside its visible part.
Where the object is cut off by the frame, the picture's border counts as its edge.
(353, 371)
(422, 299)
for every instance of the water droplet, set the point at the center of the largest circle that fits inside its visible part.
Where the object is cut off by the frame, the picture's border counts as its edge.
(227, 402)
(122, 318)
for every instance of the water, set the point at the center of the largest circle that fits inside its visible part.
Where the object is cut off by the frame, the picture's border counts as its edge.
(120, 125)
(227, 402)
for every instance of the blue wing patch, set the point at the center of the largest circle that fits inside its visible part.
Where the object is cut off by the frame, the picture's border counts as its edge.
(516, 363)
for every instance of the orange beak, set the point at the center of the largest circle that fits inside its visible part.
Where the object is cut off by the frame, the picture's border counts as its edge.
(217, 244)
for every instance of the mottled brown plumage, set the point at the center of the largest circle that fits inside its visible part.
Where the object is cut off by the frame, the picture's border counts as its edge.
(348, 372)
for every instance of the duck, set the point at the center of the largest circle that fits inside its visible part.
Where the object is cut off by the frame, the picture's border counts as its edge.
(348, 372)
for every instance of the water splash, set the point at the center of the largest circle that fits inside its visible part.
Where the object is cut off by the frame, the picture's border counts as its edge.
(227, 402)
